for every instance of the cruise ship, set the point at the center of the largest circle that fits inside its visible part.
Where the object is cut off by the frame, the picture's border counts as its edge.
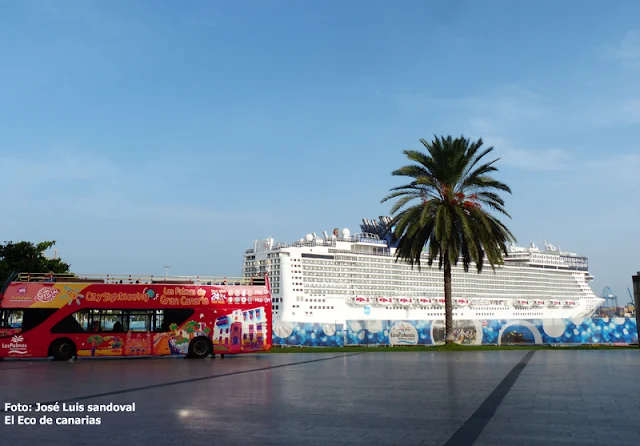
(339, 277)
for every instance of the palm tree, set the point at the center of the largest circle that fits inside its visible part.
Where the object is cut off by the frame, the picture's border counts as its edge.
(451, 184)
(190, 327)
(95, 341)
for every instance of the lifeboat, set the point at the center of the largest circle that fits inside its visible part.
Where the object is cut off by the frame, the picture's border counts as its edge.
(425, 300)
(461, 302)
(538, 303)
(524, 303)
(570, 303)
(438, 301)
(555, 303)
(361, 300)
(384, 300)
(406, 301)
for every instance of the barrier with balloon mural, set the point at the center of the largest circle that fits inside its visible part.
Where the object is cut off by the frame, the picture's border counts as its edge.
(307, 334)
(470, 332)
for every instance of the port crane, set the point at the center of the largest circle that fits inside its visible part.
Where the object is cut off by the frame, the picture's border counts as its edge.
(631, 299)
(612, 299)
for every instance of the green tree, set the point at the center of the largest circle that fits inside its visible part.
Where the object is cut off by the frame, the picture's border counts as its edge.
(95, 341)
(451, 183)
(28, 257)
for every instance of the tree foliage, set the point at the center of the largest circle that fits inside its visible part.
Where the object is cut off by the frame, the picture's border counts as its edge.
(445, 210)
(28, 257)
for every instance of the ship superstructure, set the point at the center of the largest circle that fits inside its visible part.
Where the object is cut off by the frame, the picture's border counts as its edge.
(339, 277)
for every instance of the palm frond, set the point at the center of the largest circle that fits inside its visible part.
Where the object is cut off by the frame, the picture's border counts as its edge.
(402, 202)
(485, 182)
(411, 171)
(451, 180)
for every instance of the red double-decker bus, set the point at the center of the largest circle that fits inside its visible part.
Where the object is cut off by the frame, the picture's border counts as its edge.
(67, 316)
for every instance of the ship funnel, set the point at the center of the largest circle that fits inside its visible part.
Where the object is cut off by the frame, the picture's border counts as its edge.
(326, 236)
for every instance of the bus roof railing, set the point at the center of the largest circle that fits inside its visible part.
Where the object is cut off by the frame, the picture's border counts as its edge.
(139, 279)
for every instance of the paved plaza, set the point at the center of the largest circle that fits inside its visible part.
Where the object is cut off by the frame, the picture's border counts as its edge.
(404, 398)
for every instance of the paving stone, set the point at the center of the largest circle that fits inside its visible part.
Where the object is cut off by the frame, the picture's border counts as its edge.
(572, 397)
(560, 397)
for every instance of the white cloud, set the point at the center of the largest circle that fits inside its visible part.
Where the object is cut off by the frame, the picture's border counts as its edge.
(499, 112)
(57, 166)
(531, 159)
(50, 7)
(620, 171)
(81, 181)
(505, 103)
(172, 213)
(626, 112)
(541, 159)
(627, 51)
(93, 184)
(483, 125)
(502, 115)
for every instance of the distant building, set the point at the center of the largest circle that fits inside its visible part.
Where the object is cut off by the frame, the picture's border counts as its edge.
(636, 299)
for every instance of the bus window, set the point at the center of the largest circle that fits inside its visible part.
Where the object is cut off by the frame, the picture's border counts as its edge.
(93, 321)
(20, 321)
(11, 320)
(111, 320)
(82, 319)
(139, 321)
(164, 319)
(158, 323)
(35, 316)
(72, 323)
(121, 321)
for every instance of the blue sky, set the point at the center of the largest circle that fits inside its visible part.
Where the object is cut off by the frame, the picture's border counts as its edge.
(139, 134)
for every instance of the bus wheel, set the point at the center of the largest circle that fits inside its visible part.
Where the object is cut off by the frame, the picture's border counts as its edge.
(62, 350)
(200, 348)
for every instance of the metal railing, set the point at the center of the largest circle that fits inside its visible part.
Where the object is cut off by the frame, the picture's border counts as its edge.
(140, 279)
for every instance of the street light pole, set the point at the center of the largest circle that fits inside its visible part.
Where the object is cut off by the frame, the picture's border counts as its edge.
(166, 272)
(636, 301)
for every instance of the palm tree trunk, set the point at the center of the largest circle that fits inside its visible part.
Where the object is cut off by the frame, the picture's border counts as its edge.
(448, 306)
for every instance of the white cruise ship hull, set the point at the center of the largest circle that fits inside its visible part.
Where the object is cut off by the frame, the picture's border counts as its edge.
(332, 280)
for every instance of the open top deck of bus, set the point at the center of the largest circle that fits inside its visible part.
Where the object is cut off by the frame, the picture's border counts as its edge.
(139, 279)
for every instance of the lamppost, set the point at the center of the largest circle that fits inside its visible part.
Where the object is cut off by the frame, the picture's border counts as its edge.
(636, 301)
(166, 272)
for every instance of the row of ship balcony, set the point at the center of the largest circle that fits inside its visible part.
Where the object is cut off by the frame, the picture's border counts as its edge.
(426, 301)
